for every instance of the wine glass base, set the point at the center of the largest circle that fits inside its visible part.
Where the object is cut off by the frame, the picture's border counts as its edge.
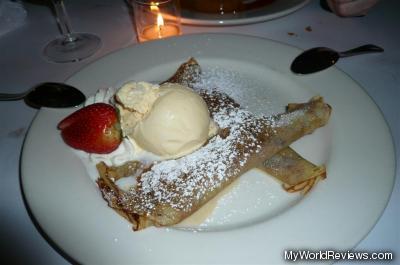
(76, 47)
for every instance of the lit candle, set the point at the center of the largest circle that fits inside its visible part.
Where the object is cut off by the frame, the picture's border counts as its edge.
(156, 20)
(159, 30)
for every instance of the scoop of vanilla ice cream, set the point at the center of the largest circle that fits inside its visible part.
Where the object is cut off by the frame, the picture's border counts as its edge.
(169, 121)
(177, 124)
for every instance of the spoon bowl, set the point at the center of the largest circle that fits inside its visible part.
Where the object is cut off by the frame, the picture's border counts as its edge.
(320, 58)
(51, 95)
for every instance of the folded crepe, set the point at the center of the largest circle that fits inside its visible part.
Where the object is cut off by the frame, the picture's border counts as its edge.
(169, 191)
(287, 166)
(293, 171)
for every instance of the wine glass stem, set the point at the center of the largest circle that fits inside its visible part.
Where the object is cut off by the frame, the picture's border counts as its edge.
(63, 20)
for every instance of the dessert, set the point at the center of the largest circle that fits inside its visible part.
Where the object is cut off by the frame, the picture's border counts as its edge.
(179, 178)
(171, 190)
(170, 120)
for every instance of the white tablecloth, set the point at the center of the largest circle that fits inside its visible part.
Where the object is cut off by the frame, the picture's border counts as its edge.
(22, 65)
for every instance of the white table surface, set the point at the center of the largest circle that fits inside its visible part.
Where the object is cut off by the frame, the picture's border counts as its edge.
(22, 66)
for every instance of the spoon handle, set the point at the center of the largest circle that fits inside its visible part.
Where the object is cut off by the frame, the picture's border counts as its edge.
(369, 48)
(8, 97)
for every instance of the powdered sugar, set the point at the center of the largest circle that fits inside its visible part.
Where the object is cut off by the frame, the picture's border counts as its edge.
(287, 118)
(181, 183)
(242, 88)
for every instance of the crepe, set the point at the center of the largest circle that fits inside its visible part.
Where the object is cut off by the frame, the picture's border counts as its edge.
(288, 167)
(293, 171)
(169, 191)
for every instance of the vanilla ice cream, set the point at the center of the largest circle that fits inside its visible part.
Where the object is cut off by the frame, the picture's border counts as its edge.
(169, 120)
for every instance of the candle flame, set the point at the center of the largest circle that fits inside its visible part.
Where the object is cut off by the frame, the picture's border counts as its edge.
(160, 20)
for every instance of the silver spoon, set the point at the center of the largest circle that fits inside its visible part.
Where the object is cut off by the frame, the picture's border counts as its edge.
(320, 58)
(51, 95)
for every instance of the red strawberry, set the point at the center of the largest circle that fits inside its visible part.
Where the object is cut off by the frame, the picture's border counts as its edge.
(94, 129)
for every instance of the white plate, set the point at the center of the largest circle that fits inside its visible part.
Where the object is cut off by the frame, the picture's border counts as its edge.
(255, 222)
(276, 9)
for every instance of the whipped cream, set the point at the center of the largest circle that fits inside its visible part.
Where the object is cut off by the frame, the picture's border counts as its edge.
(128, 150)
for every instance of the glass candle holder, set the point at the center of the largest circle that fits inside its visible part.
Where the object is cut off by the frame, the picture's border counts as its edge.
(156, 19)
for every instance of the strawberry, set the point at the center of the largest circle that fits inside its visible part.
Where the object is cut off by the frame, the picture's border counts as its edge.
(93, 129)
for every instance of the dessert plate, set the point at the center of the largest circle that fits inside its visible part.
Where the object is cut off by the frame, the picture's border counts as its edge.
(255, 221)
(276, 9)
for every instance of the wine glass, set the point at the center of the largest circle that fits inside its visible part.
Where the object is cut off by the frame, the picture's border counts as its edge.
(72, 46)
